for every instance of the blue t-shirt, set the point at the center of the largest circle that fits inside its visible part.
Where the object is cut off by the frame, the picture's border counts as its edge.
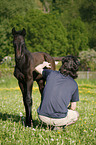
(59, 91)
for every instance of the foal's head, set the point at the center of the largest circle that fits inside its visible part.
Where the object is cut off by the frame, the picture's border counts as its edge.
(18, 42)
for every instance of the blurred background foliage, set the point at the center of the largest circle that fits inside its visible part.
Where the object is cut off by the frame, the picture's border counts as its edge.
(58, 27)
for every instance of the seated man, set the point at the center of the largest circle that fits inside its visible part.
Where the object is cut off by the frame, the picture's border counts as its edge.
(60, 90)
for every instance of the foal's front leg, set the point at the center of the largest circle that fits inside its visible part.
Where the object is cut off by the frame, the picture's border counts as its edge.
(28, 101)
(17, 73)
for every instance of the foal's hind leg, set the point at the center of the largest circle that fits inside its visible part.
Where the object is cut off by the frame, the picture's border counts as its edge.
(41, 84)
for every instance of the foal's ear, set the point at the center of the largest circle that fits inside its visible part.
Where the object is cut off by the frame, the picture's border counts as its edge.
(13, 31)
(23, 32)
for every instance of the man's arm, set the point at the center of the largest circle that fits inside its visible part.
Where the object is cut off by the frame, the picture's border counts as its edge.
(72, 106)
(40, 67)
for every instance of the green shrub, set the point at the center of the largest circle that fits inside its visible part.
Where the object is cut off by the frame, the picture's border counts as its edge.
(88, 60)
(77, 37)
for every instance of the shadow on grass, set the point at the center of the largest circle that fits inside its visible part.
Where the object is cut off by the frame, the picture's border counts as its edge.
(17, 118)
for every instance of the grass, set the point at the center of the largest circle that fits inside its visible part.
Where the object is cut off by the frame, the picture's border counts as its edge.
(12, 117)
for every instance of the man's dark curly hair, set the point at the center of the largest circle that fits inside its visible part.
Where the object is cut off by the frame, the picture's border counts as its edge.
(69, 66)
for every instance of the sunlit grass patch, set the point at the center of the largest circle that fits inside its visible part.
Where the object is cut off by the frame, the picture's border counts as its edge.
(12, 118)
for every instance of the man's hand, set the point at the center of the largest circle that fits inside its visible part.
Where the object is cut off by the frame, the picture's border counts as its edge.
(47, 64)
(40, 67)
(72, 106)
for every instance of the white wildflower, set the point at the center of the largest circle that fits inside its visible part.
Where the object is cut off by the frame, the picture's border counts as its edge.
(73, 141)
(52, 139)
(21, 114)
(34, 129)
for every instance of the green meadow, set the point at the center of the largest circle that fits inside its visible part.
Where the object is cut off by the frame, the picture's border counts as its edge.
(12, 117)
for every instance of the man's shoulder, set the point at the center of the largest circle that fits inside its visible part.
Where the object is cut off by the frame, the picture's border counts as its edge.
(50, 71)
(75, 83)
(47, 72)
(72, 81)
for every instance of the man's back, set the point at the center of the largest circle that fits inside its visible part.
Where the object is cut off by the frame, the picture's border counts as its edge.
(57, 94)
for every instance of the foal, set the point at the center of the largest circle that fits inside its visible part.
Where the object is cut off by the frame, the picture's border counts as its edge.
(25, 70)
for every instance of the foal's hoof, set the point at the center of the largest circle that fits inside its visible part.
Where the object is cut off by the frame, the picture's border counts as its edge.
(29, 124)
